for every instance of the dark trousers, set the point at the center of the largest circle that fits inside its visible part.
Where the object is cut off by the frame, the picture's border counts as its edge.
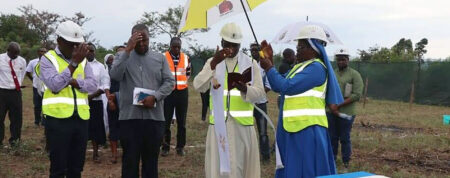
(97, 131)
(113, 123)
(11, 103)
(67, 139)
(205, 103)
(37, 101)
(140, 139)
(177, 100)
(261, 124)
(339, 130)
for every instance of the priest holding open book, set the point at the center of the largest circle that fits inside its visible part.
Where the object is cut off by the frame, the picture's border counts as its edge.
(231, 142)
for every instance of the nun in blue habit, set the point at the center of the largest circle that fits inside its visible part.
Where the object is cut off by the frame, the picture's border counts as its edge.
(302, 133)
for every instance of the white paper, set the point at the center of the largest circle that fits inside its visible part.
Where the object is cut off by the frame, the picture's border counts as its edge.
(348, 90)
(136, 93)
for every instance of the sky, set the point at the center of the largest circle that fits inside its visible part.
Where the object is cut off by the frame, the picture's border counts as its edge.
(359, 24)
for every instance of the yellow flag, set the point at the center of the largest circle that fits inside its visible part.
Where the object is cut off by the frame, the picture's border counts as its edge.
(195, 12)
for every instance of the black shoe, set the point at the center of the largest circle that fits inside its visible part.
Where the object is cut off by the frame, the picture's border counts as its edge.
(180, 152)
(164, 153)
(203, 118)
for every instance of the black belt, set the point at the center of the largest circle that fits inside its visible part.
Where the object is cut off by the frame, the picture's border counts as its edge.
(3, 89)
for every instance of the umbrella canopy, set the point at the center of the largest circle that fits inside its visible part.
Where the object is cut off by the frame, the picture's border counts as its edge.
(288, 33)
(204, 13)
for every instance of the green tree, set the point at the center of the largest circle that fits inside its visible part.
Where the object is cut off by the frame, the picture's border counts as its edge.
(166, 24)
(14, 28)
(43, 22)
(420, 50)
(402, 50)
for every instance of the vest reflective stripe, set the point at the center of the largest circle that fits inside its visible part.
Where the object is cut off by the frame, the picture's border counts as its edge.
(62, 104)
(313, 93)
(240, 110)
(304, 112)
(307, 108)
(180, 71)
(63, 100)
(238, 114)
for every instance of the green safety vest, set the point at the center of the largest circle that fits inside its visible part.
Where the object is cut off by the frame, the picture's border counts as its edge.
(240, 110)
(63, 104)
(307, 108)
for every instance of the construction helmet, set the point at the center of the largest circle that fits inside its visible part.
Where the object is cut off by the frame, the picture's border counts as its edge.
(342, 51)
(70, 31)
(231, 32)
(312, 32)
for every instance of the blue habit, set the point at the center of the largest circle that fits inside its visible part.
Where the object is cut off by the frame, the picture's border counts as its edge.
(307, 153)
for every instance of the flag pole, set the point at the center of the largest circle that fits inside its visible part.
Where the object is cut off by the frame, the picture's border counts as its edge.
(248, 19)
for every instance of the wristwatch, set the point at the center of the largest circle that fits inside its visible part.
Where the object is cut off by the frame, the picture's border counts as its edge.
(73, 64)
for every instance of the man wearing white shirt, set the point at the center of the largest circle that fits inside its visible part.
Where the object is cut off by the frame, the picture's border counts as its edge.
(97, 132)
(12, 72)
(38, 88)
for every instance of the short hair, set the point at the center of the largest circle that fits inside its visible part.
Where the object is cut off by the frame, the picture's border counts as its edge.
(39, 49)
(93, 45)
(288, 51)
(139, 27)
(14, 44)
(118, 47)
(175, 38)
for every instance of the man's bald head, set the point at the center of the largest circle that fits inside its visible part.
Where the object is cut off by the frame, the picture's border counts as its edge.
(13, 50)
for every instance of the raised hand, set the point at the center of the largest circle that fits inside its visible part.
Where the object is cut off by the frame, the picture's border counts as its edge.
(219, 56)
(134, 39)
(79, 53)
(266, 56)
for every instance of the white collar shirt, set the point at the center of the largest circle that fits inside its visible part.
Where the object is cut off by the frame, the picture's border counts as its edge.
(19, 65)
(101, 76)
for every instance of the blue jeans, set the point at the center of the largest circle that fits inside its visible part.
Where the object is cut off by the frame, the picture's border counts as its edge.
(339, 130)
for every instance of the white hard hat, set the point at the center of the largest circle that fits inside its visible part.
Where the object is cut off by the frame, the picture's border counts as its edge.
(342, 51)
(70, 31)
(231, 32)
(312, 32)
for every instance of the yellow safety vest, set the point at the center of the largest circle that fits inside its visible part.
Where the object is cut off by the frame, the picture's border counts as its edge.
(63, 104)
(240, 110)
(307, 108)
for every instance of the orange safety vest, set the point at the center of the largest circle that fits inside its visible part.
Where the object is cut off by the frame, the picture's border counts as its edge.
(180, 72)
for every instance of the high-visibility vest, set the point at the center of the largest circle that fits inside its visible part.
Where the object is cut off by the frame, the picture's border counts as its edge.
(240, 110)
(307, 108)
(179, 72)
(63, 104)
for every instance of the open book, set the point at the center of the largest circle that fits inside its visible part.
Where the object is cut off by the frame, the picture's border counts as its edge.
(234, 77)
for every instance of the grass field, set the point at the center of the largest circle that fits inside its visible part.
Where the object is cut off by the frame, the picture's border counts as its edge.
(388, 138)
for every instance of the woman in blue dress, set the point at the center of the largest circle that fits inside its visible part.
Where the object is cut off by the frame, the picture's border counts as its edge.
(302, 135)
